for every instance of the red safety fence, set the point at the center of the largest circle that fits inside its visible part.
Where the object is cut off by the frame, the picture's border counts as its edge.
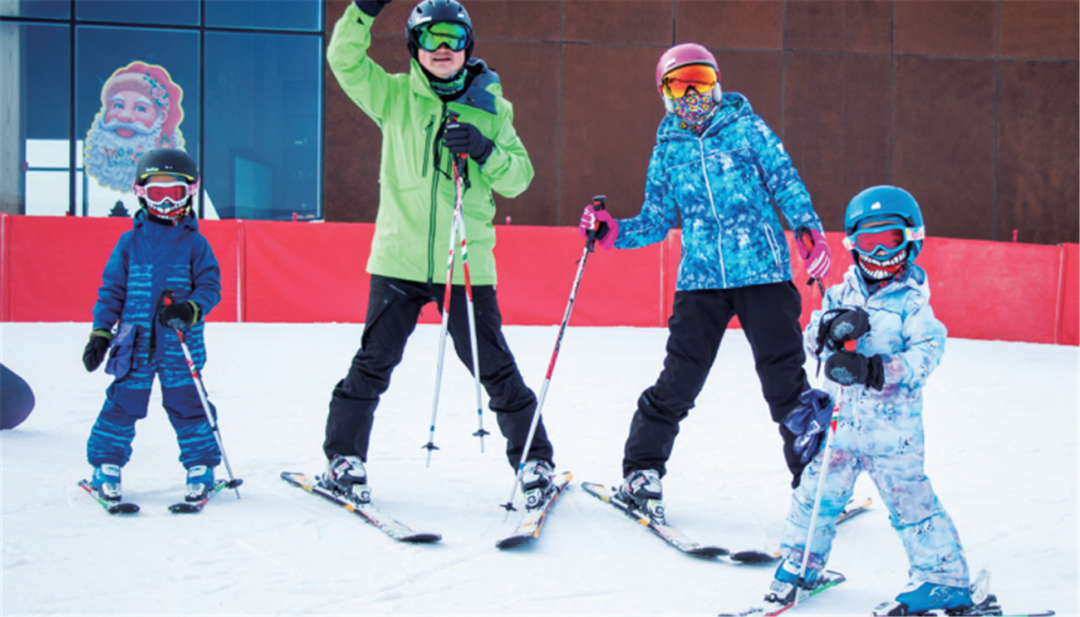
(283, 272)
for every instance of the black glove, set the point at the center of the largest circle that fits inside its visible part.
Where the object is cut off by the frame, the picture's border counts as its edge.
(841, 326)
(464, 138)
(96, 348)
(178, 315)
(848, 368)
(371, 8)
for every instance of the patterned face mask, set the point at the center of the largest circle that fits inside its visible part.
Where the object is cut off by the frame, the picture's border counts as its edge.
(694, 109)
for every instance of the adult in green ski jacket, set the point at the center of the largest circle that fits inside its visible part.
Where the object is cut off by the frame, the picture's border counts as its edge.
(448, 106)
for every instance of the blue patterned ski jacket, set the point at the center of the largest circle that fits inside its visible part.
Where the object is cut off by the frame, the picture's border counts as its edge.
(726, 186)
(147, 259)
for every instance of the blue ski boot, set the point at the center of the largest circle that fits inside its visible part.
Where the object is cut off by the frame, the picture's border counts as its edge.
(106, 481)
(786, 582)
(200, 481)
(918, 598)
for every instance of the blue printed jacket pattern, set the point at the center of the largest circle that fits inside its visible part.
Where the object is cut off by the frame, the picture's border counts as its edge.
(881, 433)
(147, 260)
(726, 186)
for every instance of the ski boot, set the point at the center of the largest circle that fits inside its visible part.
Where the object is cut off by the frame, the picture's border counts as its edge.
(106, 482)
(642, 490)
(786, 582)
(921, 598)
(536, 481)
(346, 475)
(200, 482)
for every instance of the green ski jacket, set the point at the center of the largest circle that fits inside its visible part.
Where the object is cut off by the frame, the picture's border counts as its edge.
(416, 186)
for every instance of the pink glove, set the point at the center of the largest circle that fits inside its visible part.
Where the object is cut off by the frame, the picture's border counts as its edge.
(817, 258)
(591, 219)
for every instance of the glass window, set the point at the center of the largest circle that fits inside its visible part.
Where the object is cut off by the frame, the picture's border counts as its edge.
(135, 90)
(43, 9)
(278, 15)
(35, 74)
(263, 141)
(168, 12)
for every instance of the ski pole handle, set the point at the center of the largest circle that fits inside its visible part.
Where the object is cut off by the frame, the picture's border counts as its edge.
(598, 203)
(804, 233)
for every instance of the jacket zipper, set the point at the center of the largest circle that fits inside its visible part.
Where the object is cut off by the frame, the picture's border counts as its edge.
(712, 204)
(432, 218)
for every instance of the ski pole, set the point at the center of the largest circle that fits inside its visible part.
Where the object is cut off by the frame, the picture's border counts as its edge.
(234, 484)
(826, 453)
(430, 445)
(593, 236)
(459, 209)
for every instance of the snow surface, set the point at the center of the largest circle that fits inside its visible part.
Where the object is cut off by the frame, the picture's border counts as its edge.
(1001, 422)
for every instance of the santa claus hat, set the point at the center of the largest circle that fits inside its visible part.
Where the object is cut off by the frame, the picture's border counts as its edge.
(154, 82)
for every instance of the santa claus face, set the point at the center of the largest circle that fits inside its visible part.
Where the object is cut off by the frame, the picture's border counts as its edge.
(126, 107)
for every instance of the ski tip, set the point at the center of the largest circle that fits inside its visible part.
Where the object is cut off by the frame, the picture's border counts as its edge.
(184, 508)
(123, 508)
(234, 483)
(421, 538)
(514, 541)
(708, 552)
(754, 557)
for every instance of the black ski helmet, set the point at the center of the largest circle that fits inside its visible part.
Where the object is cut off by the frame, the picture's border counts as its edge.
(436, 11)
(172, 162)
(166, 161)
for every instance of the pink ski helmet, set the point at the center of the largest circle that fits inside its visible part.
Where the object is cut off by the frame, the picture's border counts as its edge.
(681, 55)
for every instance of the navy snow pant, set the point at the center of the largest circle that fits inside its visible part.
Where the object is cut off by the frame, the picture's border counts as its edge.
(393, 308)
(126, 402)
(769, 315)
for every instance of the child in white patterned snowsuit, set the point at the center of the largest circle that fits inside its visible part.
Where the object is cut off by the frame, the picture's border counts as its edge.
(883, 307)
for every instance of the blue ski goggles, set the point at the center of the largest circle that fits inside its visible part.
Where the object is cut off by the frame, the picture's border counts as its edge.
(889, 238)
(431, 37)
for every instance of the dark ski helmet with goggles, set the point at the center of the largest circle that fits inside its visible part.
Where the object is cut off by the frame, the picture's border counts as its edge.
(457, 34)
(884, 230)
(166, 201)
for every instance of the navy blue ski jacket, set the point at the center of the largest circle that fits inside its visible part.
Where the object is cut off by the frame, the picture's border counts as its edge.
(146, 260)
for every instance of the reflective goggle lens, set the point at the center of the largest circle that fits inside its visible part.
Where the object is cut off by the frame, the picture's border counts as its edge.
(433, 36)
(159, 192)
(701, 76)
(891, 239)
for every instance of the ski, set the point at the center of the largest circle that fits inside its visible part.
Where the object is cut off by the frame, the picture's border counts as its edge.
(528, 529)
(112, 507)
(367, 511)
(752, 557)
(669, 534)
(851, 511)
(194, 507)
(826, 580)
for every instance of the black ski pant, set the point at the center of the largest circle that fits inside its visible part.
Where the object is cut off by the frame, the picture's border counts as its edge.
(393, 308)
(769, 315)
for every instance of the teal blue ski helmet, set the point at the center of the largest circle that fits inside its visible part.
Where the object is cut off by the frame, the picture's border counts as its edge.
(883, 203)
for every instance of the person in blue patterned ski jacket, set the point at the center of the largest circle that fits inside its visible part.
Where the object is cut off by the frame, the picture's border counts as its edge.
(163, 251)
(879, 340)
(719, 169)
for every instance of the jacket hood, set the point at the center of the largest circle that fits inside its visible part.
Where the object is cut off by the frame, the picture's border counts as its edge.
(733, 106)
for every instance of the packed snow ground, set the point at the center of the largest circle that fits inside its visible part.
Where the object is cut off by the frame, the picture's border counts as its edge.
(1001, 423)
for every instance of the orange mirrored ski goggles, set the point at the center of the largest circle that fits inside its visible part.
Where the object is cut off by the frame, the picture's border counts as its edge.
(701, 76)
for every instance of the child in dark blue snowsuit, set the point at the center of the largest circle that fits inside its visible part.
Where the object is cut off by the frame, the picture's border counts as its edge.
(164, 250)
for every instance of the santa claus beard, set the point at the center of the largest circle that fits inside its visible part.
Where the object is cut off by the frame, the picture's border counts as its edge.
(112, 159)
